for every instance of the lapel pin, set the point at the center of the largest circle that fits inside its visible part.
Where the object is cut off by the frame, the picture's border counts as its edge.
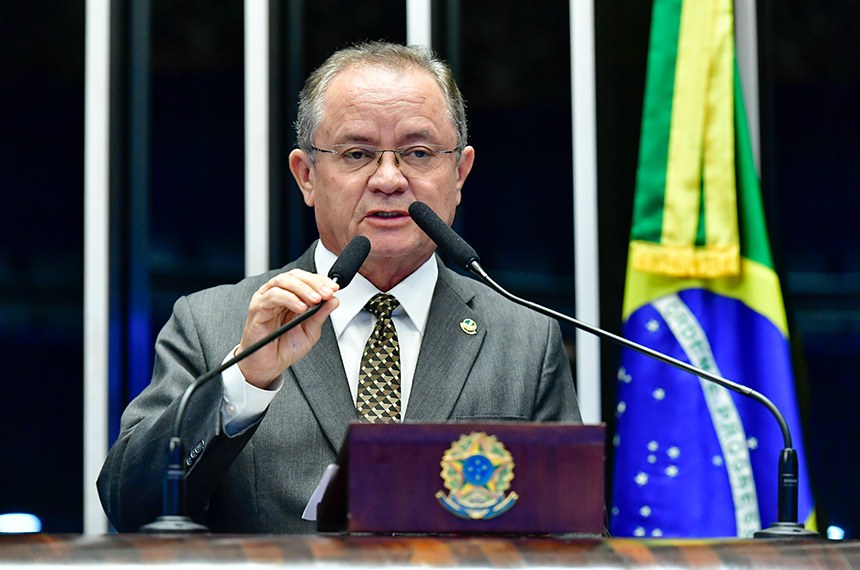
(469, 326)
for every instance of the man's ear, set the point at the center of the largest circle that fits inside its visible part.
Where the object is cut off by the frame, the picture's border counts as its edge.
(464, 167)
(302, 169)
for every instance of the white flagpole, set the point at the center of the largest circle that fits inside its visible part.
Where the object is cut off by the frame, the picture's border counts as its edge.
(746, 39)
(418, 23)
(96, 255)
(585, 205)
(256, 136)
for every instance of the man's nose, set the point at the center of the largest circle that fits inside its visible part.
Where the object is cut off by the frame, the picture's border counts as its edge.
(381, 157)
(388, 177)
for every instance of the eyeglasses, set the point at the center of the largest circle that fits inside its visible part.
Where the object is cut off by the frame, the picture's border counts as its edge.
(421, 158)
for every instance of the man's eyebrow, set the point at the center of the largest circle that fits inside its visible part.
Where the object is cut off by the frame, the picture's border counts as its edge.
(421, 136)
(354, 138)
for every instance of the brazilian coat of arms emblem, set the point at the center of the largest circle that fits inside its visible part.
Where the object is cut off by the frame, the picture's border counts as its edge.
(477, 471)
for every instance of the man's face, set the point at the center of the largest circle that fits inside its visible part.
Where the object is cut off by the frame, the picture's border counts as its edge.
(388, 109)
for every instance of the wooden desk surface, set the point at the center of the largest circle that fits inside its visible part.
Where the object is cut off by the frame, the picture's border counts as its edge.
(333, 551)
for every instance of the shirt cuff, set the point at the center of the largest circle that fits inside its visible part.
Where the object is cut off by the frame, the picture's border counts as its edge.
(243, 403)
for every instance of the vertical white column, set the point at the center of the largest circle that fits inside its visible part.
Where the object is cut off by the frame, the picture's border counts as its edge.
(256, 136)
(585, 204)
(96, 254)
(746, 38)
(418, 23)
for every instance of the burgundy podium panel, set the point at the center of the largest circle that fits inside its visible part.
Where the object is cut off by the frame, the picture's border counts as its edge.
(521, 478)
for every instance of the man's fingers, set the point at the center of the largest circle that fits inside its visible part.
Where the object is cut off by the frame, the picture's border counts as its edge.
(309, 287)
(293, 291)
(277, 302)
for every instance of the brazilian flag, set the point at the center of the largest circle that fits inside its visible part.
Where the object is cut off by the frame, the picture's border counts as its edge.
(693, 459)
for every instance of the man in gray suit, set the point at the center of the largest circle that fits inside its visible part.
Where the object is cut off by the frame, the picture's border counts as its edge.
(380, 126)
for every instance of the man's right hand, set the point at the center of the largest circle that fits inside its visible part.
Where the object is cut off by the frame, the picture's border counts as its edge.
(275, 303)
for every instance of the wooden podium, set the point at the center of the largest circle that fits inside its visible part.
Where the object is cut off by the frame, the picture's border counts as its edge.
(465, 478)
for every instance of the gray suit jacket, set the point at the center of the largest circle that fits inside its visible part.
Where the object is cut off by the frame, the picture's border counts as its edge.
(514, 368)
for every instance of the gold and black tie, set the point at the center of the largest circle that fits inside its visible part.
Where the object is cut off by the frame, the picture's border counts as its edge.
(378, 397)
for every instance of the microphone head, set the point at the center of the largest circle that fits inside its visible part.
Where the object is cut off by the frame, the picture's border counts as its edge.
(447, 239)
(349, 261)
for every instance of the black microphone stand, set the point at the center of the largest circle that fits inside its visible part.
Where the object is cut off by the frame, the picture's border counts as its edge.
(786, 525)
(173, 518)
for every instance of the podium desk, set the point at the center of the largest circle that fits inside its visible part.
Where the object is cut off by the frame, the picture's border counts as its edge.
(350, 551)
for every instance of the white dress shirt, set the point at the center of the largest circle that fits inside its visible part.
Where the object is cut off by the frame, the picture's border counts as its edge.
(243, 403)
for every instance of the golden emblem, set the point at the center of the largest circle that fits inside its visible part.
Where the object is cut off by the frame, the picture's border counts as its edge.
(469, 326)
(477, 471)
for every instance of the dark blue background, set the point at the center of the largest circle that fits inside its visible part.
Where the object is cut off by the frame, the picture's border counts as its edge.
(513, 65)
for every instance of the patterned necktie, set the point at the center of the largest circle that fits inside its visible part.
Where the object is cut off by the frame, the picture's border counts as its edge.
(378, 398)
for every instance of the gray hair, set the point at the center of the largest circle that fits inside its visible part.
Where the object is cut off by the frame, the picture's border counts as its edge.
(379, 54)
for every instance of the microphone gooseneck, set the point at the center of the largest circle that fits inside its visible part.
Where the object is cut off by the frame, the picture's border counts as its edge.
(173, 518)
(342, 271)
(786, 525)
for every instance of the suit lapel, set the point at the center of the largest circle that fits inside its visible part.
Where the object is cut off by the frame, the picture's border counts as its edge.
(447, 353)
(321, 378)
(446, 357)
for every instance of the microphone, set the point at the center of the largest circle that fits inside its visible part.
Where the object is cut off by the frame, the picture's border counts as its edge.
(173, 518)
(441, 233)
(786, 525)
(350, 260)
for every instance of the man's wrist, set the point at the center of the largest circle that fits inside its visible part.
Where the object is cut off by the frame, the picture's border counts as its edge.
(243, 402)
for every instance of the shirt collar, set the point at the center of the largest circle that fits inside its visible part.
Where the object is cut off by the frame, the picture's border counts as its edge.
(414, 293)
